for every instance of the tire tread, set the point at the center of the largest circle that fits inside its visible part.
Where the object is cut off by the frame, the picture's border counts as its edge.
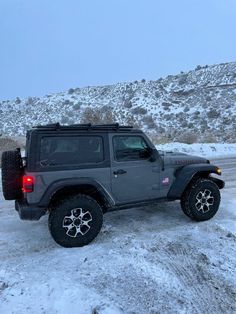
(11, 175)
(60, 207)
(185, 199)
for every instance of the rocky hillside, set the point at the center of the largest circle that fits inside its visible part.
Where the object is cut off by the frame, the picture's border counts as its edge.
(202, 101)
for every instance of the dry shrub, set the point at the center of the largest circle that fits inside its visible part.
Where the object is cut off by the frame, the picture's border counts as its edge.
(157, 138)
(101, 115)
(208, 138)
(187, 138)
(130, 119)
(7, 143)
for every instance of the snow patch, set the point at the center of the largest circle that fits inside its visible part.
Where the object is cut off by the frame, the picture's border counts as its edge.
(212, 150)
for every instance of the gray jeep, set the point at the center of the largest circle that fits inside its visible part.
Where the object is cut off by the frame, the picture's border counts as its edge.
(77, 173)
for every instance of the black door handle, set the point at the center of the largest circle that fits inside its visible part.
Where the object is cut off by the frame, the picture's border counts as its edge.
(119, 171)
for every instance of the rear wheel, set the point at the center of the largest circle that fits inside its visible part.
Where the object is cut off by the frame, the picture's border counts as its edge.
(12, 175)
(75, 221)
(201, 200)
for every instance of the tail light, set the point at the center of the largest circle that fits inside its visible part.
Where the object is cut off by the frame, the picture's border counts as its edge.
(28, 184)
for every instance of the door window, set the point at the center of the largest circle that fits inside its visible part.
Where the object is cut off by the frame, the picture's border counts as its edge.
(130, 148)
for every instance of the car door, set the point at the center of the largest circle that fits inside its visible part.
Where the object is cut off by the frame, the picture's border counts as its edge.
(133, 176)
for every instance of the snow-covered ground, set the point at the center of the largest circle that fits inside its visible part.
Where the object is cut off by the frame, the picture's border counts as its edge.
(146, 260)
(210, 150)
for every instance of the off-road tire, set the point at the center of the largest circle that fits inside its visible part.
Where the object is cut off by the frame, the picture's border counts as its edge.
(11, 175)
(64, 210)
(189, 200)
(184, 205)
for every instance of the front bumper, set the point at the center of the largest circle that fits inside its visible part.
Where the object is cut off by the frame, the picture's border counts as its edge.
(220, 183)
(29, 212)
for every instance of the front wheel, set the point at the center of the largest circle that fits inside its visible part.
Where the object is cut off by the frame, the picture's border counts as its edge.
(76, 221)
(201, 200)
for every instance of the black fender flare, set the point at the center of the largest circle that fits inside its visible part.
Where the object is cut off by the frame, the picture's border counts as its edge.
(58, 185)
(186, 174)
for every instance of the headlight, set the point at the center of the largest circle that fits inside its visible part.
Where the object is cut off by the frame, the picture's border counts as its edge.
(218, 170)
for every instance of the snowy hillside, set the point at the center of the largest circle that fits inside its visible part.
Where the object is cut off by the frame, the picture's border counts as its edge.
(202, 101)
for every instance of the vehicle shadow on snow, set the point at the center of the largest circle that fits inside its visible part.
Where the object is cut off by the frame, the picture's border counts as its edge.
(159, 213)
(34, 236)
(154, 218)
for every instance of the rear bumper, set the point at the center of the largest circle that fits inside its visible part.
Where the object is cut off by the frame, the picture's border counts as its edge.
(29, 212)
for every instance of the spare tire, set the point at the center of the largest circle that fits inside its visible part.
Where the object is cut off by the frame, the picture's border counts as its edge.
(12, 175)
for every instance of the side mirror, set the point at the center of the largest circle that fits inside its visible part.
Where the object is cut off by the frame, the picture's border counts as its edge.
(154, 155)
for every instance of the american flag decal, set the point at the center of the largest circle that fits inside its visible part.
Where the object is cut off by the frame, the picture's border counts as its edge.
(166, 181)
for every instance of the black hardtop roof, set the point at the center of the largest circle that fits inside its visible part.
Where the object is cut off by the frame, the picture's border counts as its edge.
(86, 127)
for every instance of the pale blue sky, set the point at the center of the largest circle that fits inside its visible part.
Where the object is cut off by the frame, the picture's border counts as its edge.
(50, 46)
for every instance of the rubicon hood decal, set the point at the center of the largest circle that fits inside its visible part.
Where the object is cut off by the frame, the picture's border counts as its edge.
(187, 161)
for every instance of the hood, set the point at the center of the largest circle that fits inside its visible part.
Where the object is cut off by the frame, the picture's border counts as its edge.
(181, 159)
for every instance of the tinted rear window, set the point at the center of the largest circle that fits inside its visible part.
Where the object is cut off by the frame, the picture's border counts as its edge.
(71, 150)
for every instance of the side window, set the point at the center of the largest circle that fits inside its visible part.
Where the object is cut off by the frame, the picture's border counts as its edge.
(130, 148)
(71, 150)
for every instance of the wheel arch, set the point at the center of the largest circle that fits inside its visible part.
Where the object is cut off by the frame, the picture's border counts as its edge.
(188, 174)
(64, 188)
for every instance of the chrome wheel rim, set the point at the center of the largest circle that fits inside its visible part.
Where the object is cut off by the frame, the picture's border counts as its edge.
(204, 201)
(77, 223)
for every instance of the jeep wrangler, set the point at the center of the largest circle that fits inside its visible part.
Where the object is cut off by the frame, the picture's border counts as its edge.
(79, 172)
